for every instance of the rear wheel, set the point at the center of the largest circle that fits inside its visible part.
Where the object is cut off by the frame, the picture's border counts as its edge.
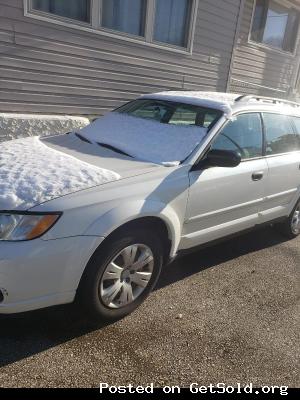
(291, 227)
(121, 275)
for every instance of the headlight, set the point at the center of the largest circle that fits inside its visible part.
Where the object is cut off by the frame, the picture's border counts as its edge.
(19, 227)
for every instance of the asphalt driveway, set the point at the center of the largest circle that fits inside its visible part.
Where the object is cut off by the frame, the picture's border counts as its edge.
(228, 314)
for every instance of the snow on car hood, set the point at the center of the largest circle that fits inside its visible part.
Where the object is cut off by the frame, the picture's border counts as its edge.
(31, 173)
(145, 139)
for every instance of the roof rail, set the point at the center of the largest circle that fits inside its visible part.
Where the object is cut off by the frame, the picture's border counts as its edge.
(247, 97)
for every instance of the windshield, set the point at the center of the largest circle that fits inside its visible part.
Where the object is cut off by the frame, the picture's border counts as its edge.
(163, 132)
(169, 112)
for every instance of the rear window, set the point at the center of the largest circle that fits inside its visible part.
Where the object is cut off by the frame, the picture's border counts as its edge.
(280, 135)
(168, 112)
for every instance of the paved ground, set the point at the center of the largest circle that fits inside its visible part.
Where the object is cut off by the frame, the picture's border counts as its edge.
(240, 323)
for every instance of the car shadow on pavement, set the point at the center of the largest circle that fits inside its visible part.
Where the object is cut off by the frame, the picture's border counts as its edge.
(24, 335)
(213, 255)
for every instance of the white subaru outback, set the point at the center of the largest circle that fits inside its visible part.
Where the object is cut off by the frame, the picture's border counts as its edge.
(93, 215)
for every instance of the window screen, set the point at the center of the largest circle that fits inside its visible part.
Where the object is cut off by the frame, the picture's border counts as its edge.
(171, 21)
(124, 15)
(75, 9)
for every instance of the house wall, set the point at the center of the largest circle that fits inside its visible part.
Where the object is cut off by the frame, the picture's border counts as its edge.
(260, 70)
(47, 68)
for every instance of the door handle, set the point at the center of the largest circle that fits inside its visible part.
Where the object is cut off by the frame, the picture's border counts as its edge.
(257, 176)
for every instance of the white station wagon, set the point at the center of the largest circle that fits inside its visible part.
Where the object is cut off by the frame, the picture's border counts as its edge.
(93, 215)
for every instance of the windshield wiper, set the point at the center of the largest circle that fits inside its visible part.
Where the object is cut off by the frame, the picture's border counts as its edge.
(107, 146)
(82, 138)
(115, 149)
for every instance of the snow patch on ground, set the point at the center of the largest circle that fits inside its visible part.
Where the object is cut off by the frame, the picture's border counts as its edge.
(32, 173)
(217, 100)
(13, 126)
(145, 139)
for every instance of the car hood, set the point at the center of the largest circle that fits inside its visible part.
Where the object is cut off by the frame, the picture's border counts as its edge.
(35, 170)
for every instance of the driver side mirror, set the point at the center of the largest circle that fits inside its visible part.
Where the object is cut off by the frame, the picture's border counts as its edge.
(220, 158)
(223, 158)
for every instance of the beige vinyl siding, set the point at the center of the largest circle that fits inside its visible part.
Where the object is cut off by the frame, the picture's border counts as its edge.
(265, 71)
(45, 67)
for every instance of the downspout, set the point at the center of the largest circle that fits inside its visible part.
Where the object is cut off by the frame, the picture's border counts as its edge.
(236, 36)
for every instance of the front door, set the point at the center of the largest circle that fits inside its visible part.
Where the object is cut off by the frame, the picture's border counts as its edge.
(223, 201)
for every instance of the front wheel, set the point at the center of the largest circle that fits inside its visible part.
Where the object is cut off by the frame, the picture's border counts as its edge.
(121, 274)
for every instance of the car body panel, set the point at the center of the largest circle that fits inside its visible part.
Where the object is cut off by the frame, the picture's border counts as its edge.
(98, 156)
(99, 211)
(223, 201)
(41, 273)
(282, 185)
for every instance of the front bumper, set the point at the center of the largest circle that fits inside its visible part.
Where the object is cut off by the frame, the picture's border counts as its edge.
(40, 273)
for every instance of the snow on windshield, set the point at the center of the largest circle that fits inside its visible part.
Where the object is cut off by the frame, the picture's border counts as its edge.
(145, 139)
(32, 173)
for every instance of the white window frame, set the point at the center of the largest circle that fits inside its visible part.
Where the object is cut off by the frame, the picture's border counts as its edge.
(94, 26)
(269, 47)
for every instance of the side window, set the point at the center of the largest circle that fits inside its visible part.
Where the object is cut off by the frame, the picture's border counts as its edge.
(280, 136)
(296, 121)
(243, 135)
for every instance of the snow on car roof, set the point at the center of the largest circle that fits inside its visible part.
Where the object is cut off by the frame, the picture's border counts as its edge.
(217, 100)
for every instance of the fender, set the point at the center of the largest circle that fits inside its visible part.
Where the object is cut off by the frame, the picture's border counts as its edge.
(132, 210)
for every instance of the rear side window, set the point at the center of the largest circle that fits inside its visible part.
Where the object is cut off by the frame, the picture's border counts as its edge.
(296, 121)
(243, 135)
(280, 136)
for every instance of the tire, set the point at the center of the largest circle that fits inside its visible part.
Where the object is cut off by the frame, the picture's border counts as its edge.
(291, 227)
(94, 285)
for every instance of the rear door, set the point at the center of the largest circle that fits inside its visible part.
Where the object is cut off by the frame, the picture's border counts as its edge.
(283, 158)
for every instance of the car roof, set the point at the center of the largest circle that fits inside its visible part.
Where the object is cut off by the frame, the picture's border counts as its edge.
(229, 103)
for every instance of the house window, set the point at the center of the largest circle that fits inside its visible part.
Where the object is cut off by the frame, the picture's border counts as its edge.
(158, 22)
(124, 16)
(75, 9)
(275, 25)
(171, 21)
